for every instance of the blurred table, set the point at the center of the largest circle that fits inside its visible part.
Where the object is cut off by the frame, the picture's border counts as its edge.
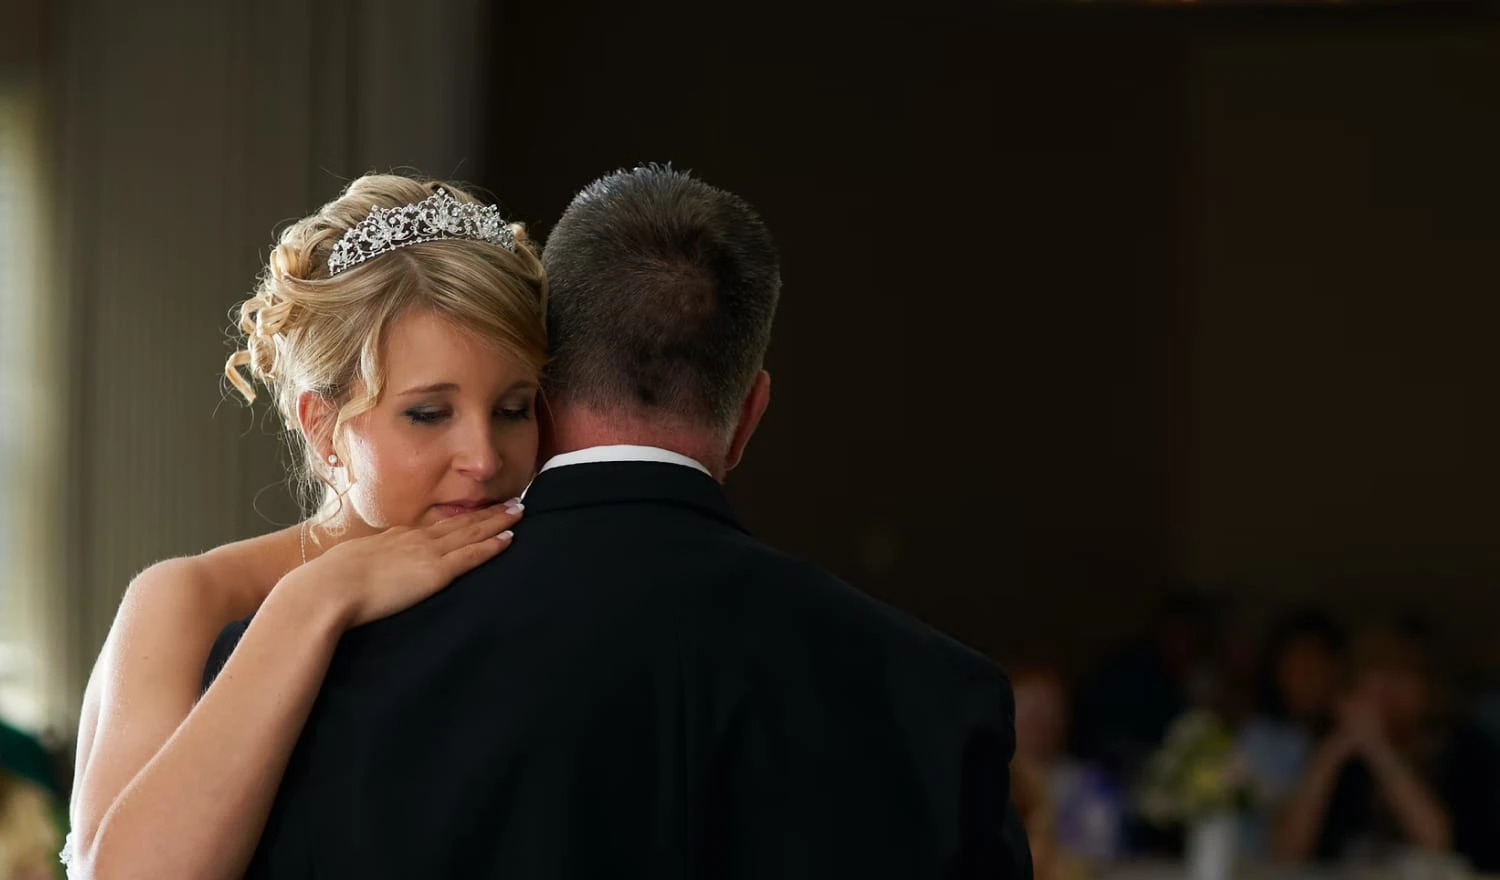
(1167, 869)
(1412, 866)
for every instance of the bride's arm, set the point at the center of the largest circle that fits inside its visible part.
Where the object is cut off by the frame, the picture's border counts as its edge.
(169, 788)
(172, 788)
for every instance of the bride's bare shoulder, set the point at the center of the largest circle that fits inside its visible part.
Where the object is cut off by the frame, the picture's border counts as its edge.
(222, 584)
(167, 621)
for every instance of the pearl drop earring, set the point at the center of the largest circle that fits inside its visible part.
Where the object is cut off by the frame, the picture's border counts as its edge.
(333, 460)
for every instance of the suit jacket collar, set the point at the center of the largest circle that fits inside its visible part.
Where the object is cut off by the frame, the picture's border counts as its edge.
(619, 482)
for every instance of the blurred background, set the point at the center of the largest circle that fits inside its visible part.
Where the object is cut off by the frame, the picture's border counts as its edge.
(1145, 347)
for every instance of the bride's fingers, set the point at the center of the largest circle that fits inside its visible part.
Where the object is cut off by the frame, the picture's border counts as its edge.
(500, 518)
(464, 558)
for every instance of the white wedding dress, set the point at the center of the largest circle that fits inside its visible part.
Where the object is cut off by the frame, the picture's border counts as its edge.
(66, 856)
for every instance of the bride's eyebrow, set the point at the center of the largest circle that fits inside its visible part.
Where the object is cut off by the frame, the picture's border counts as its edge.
(518, 385)
(430, 389)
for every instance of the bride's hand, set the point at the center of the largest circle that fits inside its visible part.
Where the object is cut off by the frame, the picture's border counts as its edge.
(379, 575)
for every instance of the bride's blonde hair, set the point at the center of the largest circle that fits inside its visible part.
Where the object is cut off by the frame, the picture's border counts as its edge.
(304, 331)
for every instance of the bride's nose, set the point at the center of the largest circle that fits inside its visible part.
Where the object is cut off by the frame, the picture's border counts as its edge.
(477, 457)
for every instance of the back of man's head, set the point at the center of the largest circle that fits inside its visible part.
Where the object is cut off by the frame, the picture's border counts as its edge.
(662, 290)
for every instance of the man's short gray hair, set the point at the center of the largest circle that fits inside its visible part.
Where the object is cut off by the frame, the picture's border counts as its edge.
(662, 290)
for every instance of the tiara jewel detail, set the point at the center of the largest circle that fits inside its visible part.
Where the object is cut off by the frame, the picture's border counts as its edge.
(435, 218)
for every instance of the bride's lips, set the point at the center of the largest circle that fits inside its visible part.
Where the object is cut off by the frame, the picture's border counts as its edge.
(459, 508)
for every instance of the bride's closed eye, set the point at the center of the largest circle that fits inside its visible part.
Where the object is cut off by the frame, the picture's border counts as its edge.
(432, 416)
(421, 416)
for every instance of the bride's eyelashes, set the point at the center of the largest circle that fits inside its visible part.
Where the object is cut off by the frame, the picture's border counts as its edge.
(433, 416)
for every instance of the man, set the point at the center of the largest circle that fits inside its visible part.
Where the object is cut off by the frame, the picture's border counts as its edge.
(639, 688)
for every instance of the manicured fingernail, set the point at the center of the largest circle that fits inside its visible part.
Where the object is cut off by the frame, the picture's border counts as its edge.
(505, 536)
(514, 506)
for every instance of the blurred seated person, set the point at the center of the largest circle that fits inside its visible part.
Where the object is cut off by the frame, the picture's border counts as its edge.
(1123, 712)
(32, 821)
(1301, 668)
(22, 754)
(1070, 810)
(1389, 775)
(1033, 802)
(29, 833)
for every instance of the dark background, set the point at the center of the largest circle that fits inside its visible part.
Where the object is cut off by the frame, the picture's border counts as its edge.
(1082, 301)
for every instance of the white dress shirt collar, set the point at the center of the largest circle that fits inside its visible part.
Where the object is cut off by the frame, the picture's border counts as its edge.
(595, 454)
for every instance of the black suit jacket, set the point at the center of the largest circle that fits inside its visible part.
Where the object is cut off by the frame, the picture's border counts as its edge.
(638, 688)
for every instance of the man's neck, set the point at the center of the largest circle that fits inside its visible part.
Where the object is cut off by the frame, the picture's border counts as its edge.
(574, 428)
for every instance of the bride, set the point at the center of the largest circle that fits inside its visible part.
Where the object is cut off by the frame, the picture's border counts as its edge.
(401, 329)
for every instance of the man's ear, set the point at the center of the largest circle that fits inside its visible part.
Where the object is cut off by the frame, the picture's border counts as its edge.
(751, 409)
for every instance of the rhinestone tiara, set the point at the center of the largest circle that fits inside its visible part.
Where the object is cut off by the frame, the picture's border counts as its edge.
(437, 217)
